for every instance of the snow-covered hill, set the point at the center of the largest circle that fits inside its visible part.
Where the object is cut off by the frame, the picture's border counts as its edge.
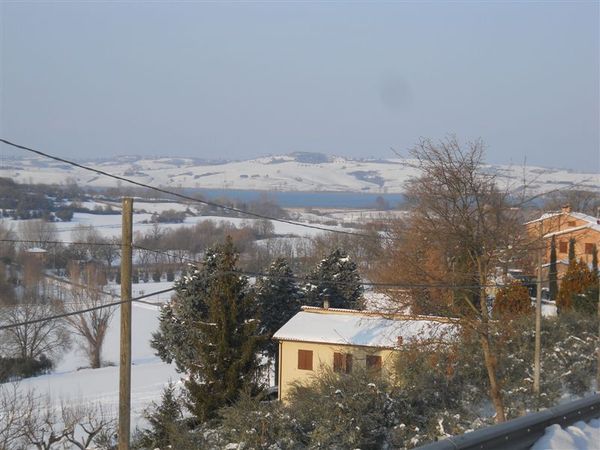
(294, 172)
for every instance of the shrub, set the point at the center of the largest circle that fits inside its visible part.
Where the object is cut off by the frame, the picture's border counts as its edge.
(16, 368)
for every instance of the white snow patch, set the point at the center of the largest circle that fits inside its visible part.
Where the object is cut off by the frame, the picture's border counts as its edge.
(579, 436)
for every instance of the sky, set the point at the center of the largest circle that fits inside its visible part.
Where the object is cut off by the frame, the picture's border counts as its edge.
(357, 79)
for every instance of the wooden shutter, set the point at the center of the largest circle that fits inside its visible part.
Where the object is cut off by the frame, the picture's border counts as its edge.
(348, 363)
(563, 247)
(305, 359)
(589, 249)
(338, 362)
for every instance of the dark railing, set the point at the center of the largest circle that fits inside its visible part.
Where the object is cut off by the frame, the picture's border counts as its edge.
(523, 432)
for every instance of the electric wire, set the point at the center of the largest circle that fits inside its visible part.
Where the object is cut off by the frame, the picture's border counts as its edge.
(82, 311)
(179, 195)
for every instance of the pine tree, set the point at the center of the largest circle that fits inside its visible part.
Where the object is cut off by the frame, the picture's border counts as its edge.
(277, 299)
(553, 272)
(335, 279)
(164, 420)
(595, 263)
(575, 283)
(571, 249)
(210, 331)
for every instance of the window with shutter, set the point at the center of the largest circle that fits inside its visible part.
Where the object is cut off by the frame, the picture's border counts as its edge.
(589, 248)
(374, 364)
(342, 362)
(305, 359)
(563, 247)
(348, 363)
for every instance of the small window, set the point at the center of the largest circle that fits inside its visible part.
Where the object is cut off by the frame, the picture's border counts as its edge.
(589, 248)
(305, 359)
(342, 362)
(563, 247)
(374, 364)
(571, 223)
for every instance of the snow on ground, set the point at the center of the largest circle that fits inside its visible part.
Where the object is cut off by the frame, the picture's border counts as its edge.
(109, 225)
(149, 374)
(579, 436)
(275, 173)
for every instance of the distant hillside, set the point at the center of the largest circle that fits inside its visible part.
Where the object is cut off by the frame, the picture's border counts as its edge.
(299, 171)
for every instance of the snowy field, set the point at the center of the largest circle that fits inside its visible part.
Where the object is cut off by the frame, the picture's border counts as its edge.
(110, 225)
(579, 436)
(275, 173)
(148, 373)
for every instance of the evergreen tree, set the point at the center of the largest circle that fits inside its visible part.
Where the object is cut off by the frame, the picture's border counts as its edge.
(210, 331)
(595, 263)
(571, 249)
(164, 420)
(278, 299)
(575, 283)
(335, 279)
(553, 272)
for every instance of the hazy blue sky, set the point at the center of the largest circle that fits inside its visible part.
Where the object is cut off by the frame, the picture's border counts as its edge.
(238, 80)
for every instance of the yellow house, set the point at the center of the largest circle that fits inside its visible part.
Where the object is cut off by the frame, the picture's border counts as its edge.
(565, 225)
(343, 339)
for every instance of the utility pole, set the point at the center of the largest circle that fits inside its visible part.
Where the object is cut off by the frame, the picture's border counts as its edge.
(538, 318)
(125, 359)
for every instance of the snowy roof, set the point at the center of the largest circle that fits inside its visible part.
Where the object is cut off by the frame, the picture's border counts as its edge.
(581, 216)
(350, 327)
(591, 226)
(36, 250)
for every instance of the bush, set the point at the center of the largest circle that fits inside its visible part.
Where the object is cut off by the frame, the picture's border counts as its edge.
(156, 276)
(170, 275)
(16, 368)
(64, 214)
(255, 424)
(512, 300)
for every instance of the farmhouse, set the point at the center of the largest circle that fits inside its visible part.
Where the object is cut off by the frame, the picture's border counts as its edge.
(343, 340)
(565, 225)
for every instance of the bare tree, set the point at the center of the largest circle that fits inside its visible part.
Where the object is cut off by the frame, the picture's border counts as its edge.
(87, 424)
(91, 325)
(460, 228)
(39, 232)
(41, 427)
(30, 420)
(14, 409)
(32, 340)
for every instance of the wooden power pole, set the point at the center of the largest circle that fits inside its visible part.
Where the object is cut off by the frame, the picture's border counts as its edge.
(125, 359)
(538, 320)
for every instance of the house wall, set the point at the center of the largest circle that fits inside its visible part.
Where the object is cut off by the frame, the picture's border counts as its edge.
(563, 222)
(322, 358)
(582, 237)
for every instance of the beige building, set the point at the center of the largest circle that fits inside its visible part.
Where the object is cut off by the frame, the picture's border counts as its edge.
(564, 225)
(343, 340)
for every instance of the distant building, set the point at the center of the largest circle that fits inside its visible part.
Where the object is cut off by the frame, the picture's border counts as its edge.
(564, 225)
(37, 253)
(343, 340)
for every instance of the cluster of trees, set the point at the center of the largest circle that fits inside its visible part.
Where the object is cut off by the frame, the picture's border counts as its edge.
(49, 202)
(438, 391)
(218, 328)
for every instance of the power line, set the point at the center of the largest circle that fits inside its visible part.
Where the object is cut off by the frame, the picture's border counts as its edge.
(182, 196)
(267, 275)
(81, 311)
(55, 242)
